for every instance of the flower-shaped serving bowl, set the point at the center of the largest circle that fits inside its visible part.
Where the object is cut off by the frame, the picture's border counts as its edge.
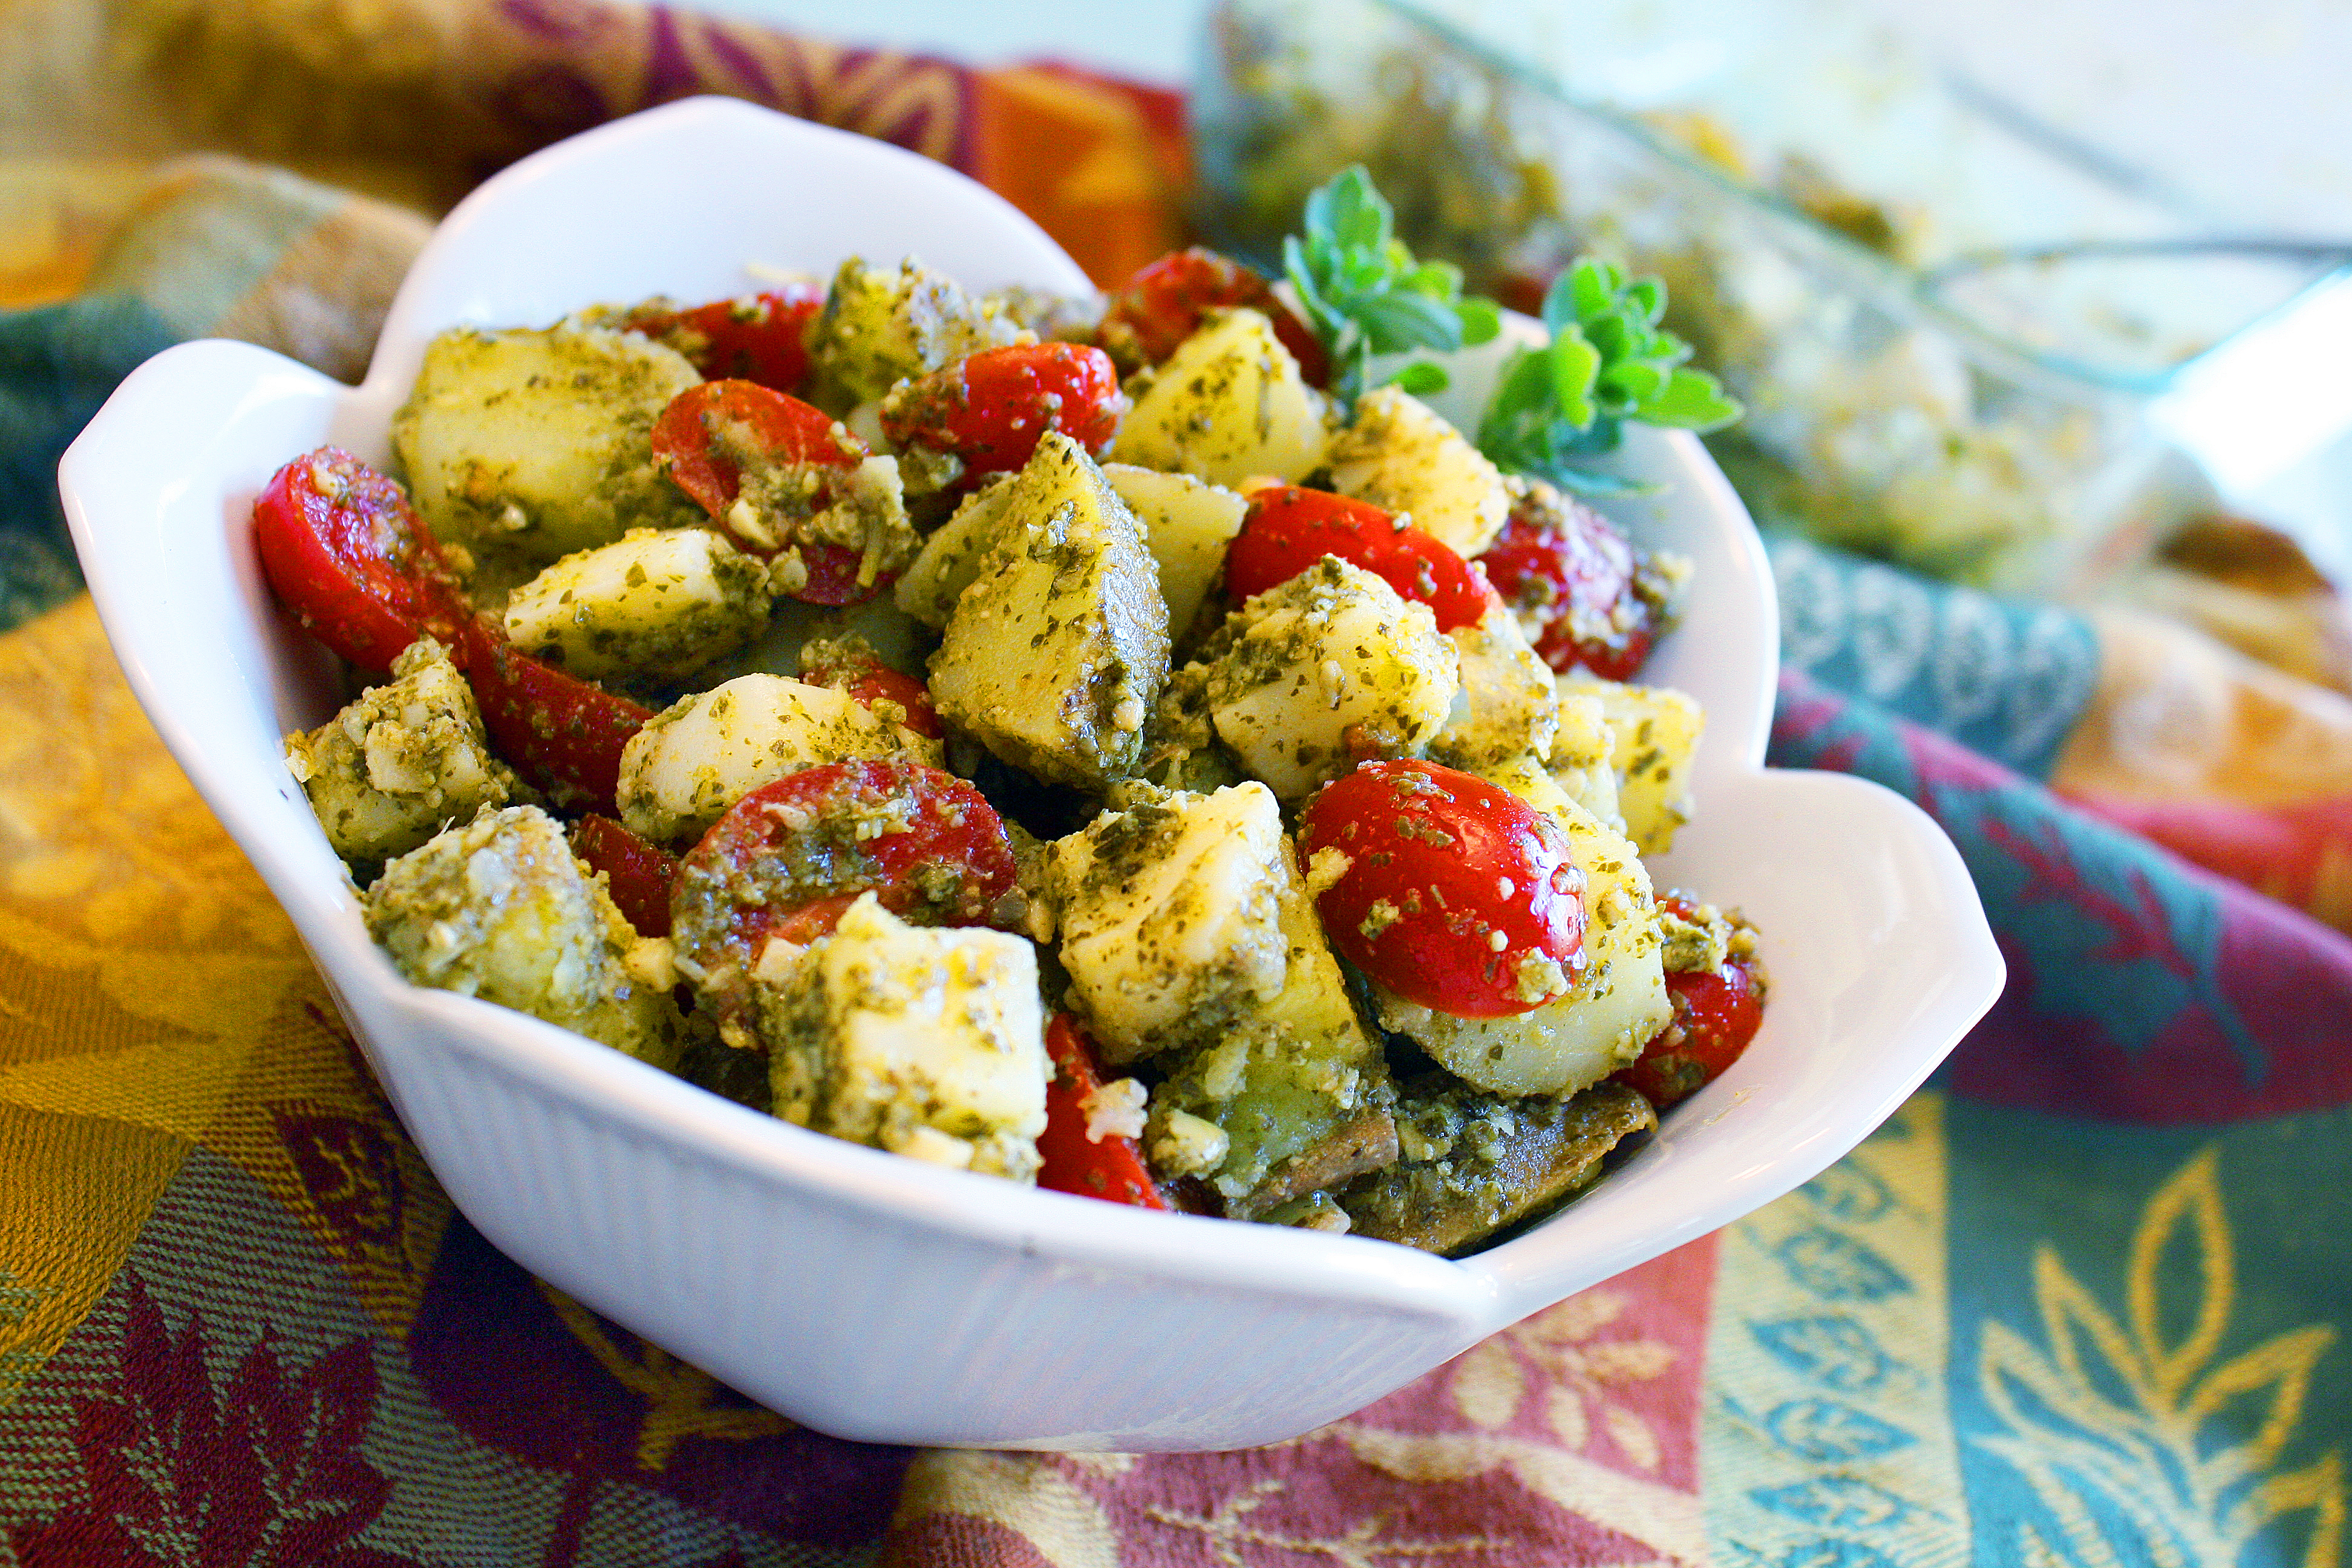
(880, 1298)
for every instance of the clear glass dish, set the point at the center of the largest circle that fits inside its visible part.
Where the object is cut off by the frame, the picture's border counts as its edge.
(1948, 321)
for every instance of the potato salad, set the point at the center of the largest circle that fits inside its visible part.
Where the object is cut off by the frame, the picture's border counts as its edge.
(1097, 744)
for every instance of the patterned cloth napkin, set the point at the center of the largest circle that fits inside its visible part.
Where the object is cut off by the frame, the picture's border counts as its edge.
(2081, 1301)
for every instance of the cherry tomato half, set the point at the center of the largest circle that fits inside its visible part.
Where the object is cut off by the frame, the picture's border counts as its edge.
(559, 732)
(1289, 528)
(1166, 301)
(990, 408)
(1571, 571)
(637, 873)
(865, 678)
(341, 546)
(1458, 894)
(709, 434)
(756, 338)
(1716, 1018)
(791, 856)
(1111, 1168)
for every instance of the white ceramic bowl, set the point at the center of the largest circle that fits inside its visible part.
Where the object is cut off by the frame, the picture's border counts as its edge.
(880, 1298)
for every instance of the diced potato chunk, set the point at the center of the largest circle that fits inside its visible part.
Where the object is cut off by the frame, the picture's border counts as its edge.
(704, 753)
(1617, 1001)
(923, 1041)
(396, 767)
(1170, 921)
(879, 327)
(1324, 670)
(1509, 704)
(1297, 1084)
(1055, 653)
(1654, 733)
(499, 909)
(1399, 454)
(660, 602)
(1228, 403)
(527, 446)
(1188, 522)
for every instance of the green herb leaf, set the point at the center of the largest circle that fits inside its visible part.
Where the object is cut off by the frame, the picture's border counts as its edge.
(1608, 361)
(1363, 291)
(1420, 378)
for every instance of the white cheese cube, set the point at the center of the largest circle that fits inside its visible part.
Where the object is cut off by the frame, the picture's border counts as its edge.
(1330, 667)
(402, 762)
(1170, 917)
(928, 1042)
(660, 602)
(703, 754)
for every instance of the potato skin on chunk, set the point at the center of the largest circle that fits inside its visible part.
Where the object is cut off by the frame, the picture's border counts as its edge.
(1055, 653)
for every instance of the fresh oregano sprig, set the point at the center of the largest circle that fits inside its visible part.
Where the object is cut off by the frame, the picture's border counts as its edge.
(1364, 293)
(1607, 361)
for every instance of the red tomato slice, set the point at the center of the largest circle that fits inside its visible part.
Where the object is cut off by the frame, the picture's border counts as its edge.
(788, 857)
(832, 576)
(869, 681)
(756, 338)
(1716, 1018)
(990, 408)
(637, 873)
(1289, 529)
(1166, 301)
(710, 433)
(1456, 889)
(342, 550)
(1112, 1169)
(1575, 576)
(559, 733)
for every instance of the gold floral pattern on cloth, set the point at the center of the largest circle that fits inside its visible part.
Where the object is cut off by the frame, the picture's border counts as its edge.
(681, 1400)
(2114, 1418)
(1522, 1449)
(152, 997)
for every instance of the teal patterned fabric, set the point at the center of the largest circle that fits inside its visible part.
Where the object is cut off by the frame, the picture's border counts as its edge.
(2003, 677)
(57, 364)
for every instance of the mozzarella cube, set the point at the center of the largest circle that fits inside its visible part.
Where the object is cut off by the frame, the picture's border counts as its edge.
(1170, 918)
(928, 1042)
(703, 754)
(660, 602)
(1330, 667)
(402, 762)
